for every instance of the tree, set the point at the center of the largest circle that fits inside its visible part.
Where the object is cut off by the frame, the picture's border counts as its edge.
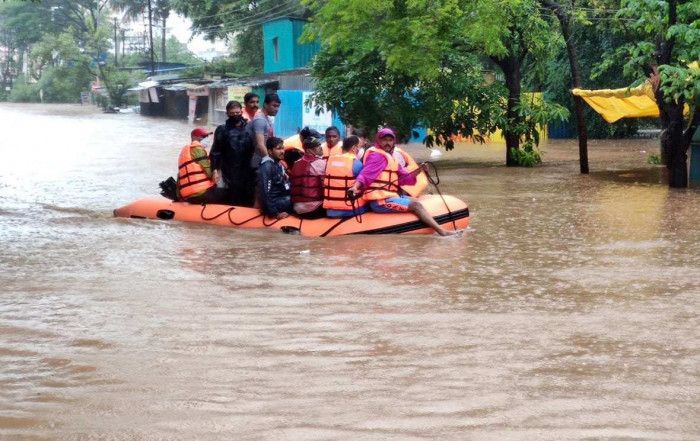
(62, 70)
(510, 32)
(239, 21)
(69, 49)
(565, 18)
(22, 24)
(436, 47)
(177, 52)
(590, 36)
(666, 39)
(367, 92)
(135, 10)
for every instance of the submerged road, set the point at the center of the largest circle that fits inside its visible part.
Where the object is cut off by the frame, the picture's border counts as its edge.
(568, 312)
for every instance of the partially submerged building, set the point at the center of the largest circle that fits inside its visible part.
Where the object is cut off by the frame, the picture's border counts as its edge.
(285, 72)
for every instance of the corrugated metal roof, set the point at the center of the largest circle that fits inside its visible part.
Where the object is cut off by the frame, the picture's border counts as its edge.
(182, 86)
(245, 81)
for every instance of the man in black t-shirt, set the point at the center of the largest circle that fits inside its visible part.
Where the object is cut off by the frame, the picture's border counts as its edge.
(231, 154)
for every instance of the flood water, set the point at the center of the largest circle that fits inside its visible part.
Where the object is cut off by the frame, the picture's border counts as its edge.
(568, 312)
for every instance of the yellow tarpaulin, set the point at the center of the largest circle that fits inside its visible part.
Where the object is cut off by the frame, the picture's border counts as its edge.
(615, 104)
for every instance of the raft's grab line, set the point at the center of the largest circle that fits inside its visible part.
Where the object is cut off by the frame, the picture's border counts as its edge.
(451, 212)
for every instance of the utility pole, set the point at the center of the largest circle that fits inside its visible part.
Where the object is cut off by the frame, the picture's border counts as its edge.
(150, 36)
(116, 44)
(123, 32)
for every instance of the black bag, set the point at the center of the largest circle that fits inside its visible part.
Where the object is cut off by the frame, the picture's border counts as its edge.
(169, 189)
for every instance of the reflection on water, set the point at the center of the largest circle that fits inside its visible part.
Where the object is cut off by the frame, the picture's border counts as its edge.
(569, 312)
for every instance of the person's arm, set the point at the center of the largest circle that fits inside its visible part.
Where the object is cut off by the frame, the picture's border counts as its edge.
(406, 177)
(356, 167)
(200, 155)
(265, 184)
(259, 129)
(374, 166)
(217, 149)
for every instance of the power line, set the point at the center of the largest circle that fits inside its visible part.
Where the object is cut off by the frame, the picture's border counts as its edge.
(248, 21)
(232, 11)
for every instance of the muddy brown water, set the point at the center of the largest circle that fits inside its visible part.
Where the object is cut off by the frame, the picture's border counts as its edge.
(568, 312)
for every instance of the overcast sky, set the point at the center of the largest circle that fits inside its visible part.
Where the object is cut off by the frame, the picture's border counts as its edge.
(180, 28)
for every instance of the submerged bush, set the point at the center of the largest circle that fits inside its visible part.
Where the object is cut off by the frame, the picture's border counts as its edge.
(528, 155)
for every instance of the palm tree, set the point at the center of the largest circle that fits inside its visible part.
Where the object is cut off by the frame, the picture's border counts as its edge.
(134, 9)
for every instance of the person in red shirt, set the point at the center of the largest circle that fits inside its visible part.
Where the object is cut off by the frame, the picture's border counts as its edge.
(307, 181)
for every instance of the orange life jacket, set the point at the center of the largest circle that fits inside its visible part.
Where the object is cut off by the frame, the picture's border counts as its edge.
(293, 142)
(339, 178)
(387, 183)
(335, 150)
(191, 177)
(421, 184)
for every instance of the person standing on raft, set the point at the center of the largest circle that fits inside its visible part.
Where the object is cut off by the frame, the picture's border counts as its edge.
(381, 178)
(230, 155)
(251, 101)
(195, 183)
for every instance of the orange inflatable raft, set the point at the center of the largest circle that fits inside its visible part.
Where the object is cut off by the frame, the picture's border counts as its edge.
(452, 214)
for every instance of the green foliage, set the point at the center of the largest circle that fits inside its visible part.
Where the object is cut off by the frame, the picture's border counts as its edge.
(528, 155)
(248, 55)
(591, 33)
(363, 91)
(117, 83)
(63, 84)
(238, 21)
(680, 82)
(65, 39)
(368, 93)
(177, 52)
(407, 62)
(220, 66)
(459, 101)
(62, 70)
(23, 92)
(654, 159)
(135, 9)
(654, 39)
(24, 23)
(534, 116)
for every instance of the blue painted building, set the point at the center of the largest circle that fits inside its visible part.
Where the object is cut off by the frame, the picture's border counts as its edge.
(286, 58)
(282, 48)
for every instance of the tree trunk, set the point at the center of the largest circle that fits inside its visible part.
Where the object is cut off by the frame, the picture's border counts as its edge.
(677, 146)
(582, 135)
(674, 142)
(582, 130)
(511, 70)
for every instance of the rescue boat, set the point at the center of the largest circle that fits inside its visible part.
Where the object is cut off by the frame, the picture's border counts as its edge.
(450, 212)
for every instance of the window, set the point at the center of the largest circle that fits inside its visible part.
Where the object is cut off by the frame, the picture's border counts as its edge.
(276, 48)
